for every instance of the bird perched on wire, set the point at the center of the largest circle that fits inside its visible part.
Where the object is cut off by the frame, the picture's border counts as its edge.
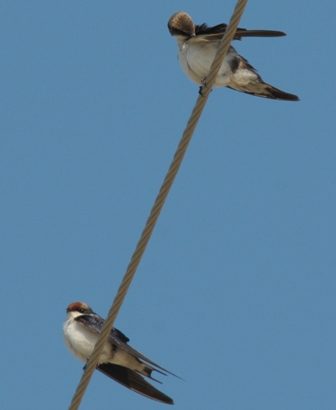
(198, 46)
(118, 360)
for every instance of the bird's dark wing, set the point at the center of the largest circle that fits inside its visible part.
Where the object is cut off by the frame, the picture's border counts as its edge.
(216, 32)
(114, 338)
(95, 323)
(204, 29)
(241, 32)
(133, 381)
(117, 338)
(115, 333)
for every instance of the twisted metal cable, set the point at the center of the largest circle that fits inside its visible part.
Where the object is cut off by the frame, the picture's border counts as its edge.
(158, 204)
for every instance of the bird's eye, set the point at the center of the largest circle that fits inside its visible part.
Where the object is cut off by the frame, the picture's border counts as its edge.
(81, 310)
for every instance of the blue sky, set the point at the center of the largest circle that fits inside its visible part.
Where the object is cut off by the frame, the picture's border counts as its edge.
(236, 291)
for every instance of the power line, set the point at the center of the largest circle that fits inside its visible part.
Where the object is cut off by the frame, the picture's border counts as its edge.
(158, 204)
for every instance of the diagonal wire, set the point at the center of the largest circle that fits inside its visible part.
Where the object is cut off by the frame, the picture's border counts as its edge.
(158, 204)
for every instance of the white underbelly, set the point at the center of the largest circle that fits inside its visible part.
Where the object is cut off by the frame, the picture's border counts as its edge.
(197, 63)
(81, 342)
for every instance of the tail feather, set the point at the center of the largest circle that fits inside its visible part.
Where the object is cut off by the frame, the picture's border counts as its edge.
(147, 371)
(277, 94)
(133, 381)
(261, 89)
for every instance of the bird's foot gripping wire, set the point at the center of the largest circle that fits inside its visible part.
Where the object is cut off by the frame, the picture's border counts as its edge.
(203, 86)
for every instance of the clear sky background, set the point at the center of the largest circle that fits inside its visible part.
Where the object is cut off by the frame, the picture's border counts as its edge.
(236, 291)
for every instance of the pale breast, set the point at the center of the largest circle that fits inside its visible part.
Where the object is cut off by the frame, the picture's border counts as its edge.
(80, 341)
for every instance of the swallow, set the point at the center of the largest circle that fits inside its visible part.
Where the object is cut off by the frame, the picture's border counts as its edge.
(198, 44)
(119, 361)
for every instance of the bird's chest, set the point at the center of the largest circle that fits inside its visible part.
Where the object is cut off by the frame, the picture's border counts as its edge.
(81, 341)
(195, 60)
